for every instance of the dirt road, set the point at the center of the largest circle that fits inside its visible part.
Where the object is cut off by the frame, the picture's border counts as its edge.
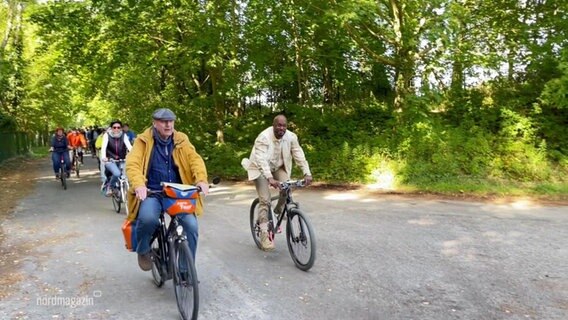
(379, 257)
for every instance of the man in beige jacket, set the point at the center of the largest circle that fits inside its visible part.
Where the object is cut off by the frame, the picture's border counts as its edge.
(271, 162)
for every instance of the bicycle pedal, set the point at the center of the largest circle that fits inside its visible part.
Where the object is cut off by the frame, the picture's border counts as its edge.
(279, 230)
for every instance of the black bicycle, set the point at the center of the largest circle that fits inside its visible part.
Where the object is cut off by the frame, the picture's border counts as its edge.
(299, 232)
(62, 172)
(172, 258)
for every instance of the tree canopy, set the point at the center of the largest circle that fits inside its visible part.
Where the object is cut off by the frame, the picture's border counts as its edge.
(442, 88)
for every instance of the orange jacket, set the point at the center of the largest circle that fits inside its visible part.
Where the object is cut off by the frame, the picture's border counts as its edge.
(77, 140)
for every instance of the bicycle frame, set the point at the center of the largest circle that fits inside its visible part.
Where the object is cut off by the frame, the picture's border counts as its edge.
(288, 204)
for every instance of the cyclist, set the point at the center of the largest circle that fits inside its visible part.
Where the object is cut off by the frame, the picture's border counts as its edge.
(115, 145)
(162, 154)
(77, 141)
(59, 146)
(131, 135)
(271, 162)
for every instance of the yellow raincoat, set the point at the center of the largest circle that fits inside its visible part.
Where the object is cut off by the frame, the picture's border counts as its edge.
(191, 166)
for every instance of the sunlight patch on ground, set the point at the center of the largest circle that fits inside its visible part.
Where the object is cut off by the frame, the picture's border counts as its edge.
(219, 190)
(521, 204)
(421, 222)
(342, 196)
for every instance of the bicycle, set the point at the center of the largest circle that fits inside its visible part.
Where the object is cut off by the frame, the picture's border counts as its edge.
(119, 191)
(299, 231)
(75, 162)
(171, 251)
(62, 173)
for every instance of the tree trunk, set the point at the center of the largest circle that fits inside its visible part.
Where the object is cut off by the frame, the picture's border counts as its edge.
(303, 94)
(9, 25)
(217, 103)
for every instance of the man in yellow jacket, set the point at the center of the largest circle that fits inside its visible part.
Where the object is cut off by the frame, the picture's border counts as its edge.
(161, 154)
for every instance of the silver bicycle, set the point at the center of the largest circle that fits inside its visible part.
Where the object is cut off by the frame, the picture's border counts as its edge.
(120, 189)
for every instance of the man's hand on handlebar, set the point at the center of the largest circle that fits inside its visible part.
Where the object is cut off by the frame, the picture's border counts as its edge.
(274, 183)
(141, 193)
(204, 187)
(308, 180)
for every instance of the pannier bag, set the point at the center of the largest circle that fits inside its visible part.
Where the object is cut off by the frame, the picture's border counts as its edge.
(129, 233)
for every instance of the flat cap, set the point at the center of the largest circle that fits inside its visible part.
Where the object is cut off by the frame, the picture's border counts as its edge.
(164, 114)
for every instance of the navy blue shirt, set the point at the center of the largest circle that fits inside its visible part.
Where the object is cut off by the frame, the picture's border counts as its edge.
(162, 167)
(59, 144)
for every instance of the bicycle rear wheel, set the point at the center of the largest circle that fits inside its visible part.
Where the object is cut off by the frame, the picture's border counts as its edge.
(254, 224)
(185, 281)
(301, 240)
(157, 263)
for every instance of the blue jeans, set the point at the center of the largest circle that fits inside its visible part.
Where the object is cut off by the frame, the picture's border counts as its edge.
(56, 159)
(113, 168)
(148, 221)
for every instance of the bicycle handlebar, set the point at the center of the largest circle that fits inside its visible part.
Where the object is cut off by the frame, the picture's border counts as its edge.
(292, 184)
(215, 181)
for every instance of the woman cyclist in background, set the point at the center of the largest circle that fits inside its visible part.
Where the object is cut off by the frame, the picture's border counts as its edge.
(59, 146)
(115, 146)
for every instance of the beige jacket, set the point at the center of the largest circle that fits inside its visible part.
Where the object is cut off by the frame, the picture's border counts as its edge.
(258, 162)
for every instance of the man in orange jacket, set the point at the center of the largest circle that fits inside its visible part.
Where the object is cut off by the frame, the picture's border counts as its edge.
(76, 141)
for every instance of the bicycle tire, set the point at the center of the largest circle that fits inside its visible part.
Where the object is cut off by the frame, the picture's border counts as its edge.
(254, 225)
(63, 177)
(185, 283)
(301, 238)
(115, 202)
(123, 190)
(157, 269)
(77, 169)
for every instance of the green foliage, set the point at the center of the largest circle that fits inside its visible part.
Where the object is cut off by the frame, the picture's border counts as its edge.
(432, 95)
(7, 123)
(224, 160)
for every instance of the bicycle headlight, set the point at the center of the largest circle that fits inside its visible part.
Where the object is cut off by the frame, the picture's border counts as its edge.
(179, 230)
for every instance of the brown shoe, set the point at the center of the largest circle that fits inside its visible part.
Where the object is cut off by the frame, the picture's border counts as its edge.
(145, 261)
(265, 243)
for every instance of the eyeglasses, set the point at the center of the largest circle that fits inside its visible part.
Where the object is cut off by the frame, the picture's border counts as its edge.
(116, 127)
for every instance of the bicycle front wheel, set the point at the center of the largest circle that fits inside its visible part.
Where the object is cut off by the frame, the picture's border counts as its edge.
(63, 177)
(115, 201)
(123, 190)
(254, 223)
(301, 240)
(185, 281)
(77, 169)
